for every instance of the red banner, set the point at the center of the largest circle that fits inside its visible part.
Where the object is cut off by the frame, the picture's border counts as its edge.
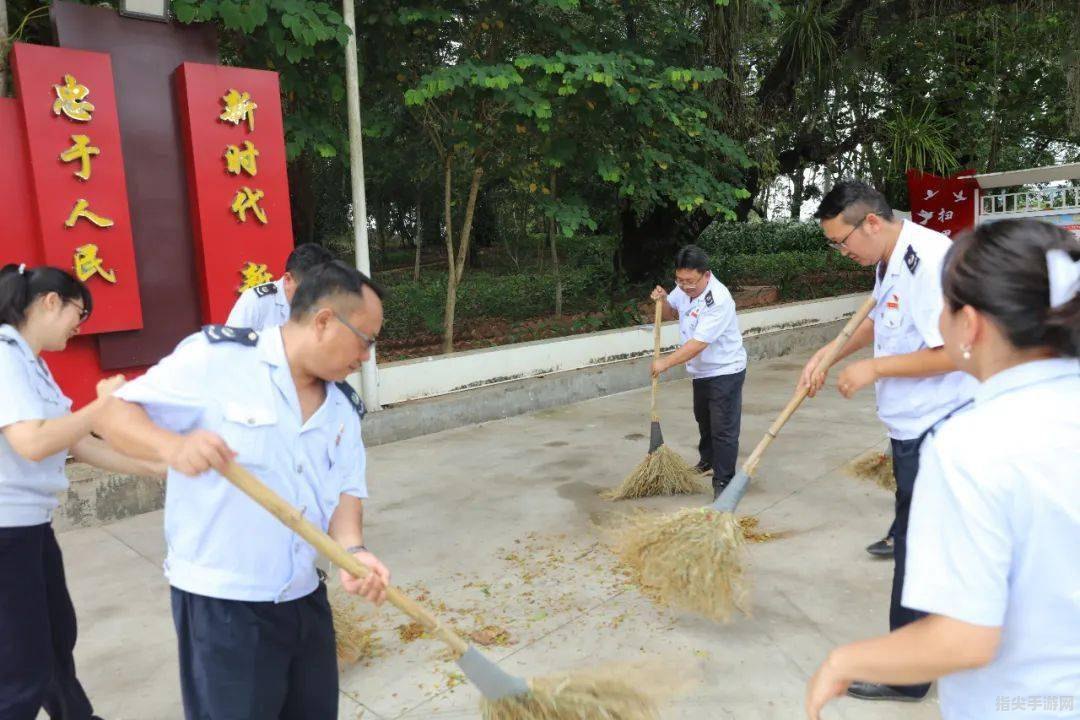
(235, 142)
(945, 204)
(77, 170)
(20, 241)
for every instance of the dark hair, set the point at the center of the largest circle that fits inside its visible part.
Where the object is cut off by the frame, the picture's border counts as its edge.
(854, 200)
(305, 257)
(691, 257)
(19, 290)
(1000, 269)
(331, 278)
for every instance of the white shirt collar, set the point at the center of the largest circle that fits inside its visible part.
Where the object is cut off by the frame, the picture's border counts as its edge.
(1027, 373)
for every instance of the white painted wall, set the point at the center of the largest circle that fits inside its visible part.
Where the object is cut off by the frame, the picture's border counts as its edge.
(442, 374)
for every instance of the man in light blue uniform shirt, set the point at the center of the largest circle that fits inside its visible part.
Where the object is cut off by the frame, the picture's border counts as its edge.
(252, 618)
(267, 305)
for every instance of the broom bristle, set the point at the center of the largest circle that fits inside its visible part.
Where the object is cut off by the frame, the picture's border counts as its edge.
(354, 643)
(662, 472)
(692, 560)
(621, 691)
(875, 466)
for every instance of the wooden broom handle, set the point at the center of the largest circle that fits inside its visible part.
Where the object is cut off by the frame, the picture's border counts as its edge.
(800, 394)
(331, 549)
(656, 353)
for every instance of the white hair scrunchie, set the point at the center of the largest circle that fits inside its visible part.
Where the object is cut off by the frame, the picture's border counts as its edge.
(22, 268)
(1064, 275)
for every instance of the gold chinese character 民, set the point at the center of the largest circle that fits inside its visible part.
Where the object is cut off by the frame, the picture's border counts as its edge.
(82, 150)
(71, 100)
(238, 160)
(254, 274)
(88, 264)
(239, 107)
(248, 199)
(82, 210)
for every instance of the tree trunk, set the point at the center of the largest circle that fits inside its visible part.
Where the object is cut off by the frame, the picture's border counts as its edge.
(555, 254)
(466, 227)
(419, 235)
(798, 183)
(451, 276)
(3, 47)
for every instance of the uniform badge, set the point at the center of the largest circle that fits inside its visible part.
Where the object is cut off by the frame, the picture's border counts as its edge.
(709, 299)
(353, 397)
(223, 333)
(911, 259)
(8, 340)
(266, 289)
(340, 432)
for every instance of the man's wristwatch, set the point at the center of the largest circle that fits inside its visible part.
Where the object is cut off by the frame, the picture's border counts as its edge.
(352, 550)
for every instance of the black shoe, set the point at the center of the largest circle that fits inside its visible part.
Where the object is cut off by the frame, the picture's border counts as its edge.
(882, 548)
(703, 467)
(874, 691)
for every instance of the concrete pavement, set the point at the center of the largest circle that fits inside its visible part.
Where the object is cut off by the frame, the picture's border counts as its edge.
(500, 527)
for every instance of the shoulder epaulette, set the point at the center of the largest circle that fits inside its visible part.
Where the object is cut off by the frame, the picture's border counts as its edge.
(224, 333)
(265, 289)
(353, 397)
(911, 259)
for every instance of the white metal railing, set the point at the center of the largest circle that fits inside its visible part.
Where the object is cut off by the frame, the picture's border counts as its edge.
(1050, 199)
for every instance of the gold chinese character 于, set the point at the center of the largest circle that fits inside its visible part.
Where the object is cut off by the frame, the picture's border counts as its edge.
(81, 150)
(248, 199)
(239, 107)
(254, 274)
(88, 264)
(71, 100)
(238, 160)
(81, 210)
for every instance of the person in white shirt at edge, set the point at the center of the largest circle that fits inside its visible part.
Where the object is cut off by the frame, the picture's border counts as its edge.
(40, 310)
(916, 381)
(995, 522)
(715, 358)
(267, 305)
(252, 618)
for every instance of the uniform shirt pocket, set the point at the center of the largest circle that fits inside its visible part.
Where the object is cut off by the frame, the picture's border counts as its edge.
(248, 431)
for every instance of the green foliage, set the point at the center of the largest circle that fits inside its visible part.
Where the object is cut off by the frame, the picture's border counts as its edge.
(764, 238)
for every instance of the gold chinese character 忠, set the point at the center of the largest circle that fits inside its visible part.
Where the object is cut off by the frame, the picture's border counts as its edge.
(71, 100)
(238, 160)
(239, 107)
(82, 150)
(248, 199)
(254, 274)
(88, 264)
(82, 210)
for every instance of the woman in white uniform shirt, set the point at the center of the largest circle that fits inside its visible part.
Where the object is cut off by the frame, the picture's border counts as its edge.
(995, 520)
(40, 310)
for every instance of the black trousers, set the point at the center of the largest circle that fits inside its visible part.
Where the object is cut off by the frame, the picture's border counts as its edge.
(905, 468)
(256, 660)
(718, 411)
(37, 629)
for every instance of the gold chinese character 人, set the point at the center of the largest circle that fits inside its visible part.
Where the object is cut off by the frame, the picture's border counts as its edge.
(82, 210)
(71, 100)
(82, 150)
(248, 199)
(238, 160)
(254, 274)
(239, 107)
(88, 264)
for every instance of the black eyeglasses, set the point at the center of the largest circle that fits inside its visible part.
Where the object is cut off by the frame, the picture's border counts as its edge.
(368, 340)
(84, 314)
(842, 245)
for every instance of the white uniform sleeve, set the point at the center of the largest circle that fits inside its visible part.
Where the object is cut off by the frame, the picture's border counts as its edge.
(926, 304)
(173, 392)
(18, 399)
(715, 319)
(354, 481)
(245, 312)
(959, 542)
(677, 299)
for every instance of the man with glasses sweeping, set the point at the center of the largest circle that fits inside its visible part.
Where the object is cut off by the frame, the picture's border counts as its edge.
(916, 382)
(715, 358)
(252, 617)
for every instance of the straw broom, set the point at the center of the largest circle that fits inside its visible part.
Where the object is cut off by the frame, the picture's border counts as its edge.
(662, 472)
(693, 559)
(876, 466)
(599, 696)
